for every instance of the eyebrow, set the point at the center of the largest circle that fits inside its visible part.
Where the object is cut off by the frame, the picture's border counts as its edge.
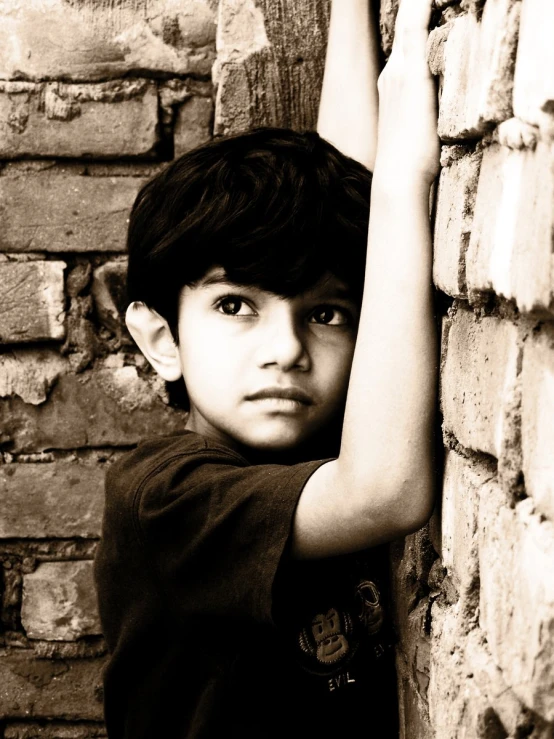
(340, 292)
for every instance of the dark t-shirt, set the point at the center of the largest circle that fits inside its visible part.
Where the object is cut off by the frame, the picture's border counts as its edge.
(213, 630)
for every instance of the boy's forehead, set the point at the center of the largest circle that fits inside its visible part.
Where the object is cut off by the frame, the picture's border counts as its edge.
(328, 283)
(214, 276)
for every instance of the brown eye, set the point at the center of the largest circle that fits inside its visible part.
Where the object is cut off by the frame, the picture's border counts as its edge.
(328, 316)
(233, 305)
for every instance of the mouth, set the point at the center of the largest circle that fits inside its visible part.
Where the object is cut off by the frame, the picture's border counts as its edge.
(293, 394)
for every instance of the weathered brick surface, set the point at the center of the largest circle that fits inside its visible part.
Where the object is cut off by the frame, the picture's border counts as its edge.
(490, 682)
(58, 689)
(54, 730)
(31, 301)
(109, 407)
(463, 480)
(193, 124)
(490, 597)
(478, 376)
(516, 555)
(387, 18)
(269, 72)
(510, 250)
(414, 714)
(60, 499)
(110, 294)
(89, 41)
(537, 414)
(534, 76)
(456, 705)
(454, 216)
(59, 602)
(30, 373)
(477, 63)
(468, 697)
(412, 559)
(65, 213)
(112, 119)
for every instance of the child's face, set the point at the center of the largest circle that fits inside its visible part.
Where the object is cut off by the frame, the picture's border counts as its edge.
(263, 371)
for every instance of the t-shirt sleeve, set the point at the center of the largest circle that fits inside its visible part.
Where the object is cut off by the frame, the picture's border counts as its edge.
(215, 531)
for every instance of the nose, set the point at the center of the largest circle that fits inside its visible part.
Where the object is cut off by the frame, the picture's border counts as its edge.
(283, 342)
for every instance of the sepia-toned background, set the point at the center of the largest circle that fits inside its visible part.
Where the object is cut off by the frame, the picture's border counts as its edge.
(95, 96)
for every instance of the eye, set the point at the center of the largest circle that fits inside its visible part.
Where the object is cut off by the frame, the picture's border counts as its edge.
(329, 315)
(233, 305)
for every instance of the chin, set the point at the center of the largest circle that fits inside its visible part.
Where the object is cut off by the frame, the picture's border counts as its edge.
(276, 440)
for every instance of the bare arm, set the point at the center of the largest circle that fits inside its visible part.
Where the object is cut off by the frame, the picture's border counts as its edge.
(349, 103)
(381, 485)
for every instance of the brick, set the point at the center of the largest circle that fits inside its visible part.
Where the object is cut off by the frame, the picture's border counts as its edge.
(516, 554)
(31, 301)
(477, 70)
(53, 40)
(193, 124)
(242, 102)
(266, 47)
(537, 412)
(460, 506)
(289, 30)
(455, 702)
(111, 119)
(534, 75)
(510, 249)
(417, 647)
(414, 718)
(59, 500)
(108, 407)
(387, 11)
(110, 295)
(454, 216)
(57, 213)
(59, 689)
(490, 682)
(478, 381)
(59, 602)
(54, 730)
(78, 279)
(30, 373)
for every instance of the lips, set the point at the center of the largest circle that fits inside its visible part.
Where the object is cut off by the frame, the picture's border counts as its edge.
(286, 393)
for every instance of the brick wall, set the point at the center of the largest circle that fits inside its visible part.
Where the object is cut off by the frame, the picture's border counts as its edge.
(475, 588)
(94, 98)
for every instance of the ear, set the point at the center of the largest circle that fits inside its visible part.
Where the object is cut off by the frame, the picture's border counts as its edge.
(153, 337)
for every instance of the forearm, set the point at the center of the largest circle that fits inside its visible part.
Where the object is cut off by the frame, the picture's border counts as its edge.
(348, 110)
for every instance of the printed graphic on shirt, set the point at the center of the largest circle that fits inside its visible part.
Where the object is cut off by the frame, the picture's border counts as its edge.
(329, 640)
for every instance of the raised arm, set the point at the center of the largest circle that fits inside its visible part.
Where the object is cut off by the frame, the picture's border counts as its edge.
(349, 103)
(381, 485)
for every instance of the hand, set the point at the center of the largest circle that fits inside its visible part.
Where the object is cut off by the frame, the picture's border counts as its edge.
(407, 145)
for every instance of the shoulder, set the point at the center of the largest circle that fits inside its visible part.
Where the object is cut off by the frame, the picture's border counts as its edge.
(156, 456)
(187, 481)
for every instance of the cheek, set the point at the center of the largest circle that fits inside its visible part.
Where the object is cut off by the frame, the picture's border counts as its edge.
(207, 358)
(335, 364)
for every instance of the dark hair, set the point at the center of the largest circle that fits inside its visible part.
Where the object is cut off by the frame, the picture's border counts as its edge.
(275, 208)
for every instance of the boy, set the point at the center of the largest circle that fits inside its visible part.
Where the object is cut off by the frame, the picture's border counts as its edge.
(232, 594)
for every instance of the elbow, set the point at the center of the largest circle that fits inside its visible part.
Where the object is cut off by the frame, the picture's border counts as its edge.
(413, 506)
(404, 508)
